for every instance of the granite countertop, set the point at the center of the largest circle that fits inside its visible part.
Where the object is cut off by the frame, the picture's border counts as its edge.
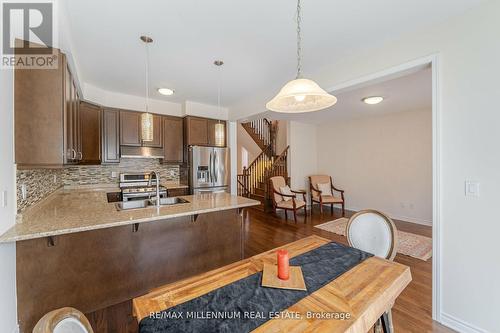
(74, 210)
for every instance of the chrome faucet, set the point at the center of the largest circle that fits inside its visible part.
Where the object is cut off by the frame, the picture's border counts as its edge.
(157, 177)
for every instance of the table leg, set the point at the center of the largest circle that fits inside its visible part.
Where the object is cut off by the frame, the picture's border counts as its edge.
(386, 325)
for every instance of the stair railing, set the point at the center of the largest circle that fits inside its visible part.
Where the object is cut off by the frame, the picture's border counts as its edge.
(256, 171)
(265, 132)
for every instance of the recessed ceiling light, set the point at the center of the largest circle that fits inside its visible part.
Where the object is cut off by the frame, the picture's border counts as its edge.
(373, 100)
(166, 91)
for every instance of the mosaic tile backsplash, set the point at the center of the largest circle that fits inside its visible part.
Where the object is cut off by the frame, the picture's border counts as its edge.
(42, 182)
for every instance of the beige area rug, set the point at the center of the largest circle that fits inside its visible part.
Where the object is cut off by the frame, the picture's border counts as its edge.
(409, 244)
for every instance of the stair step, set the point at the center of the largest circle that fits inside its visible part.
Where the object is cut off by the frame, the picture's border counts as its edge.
(260, 192)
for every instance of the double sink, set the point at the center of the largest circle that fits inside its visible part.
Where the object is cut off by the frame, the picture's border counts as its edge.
(138, 204)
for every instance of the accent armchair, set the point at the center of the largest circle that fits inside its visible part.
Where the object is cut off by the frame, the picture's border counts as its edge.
(323, 193)
(294, 200)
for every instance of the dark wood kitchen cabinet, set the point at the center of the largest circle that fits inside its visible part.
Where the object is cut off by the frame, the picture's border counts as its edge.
(173, 139)
(90, 133)
(130, 130)
(43, 102)
(110, 135)
(201, 131)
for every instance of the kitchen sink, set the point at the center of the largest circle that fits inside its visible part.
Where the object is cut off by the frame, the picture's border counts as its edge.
(132, 204)
(138, 204)
(169, 201)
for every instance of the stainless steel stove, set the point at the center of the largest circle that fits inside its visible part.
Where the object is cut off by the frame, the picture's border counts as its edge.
(136, 186)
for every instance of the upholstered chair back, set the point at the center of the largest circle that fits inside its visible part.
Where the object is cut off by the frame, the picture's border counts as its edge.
(318, 179)
(276, 183)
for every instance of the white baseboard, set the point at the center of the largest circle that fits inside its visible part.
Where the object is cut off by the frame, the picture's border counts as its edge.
(459, 325)
(399, 217)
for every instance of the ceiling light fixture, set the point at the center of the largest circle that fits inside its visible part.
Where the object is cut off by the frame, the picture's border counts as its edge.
(372, 100)
(300, 95)
(147, 118)
(166, 91)
(220, 134)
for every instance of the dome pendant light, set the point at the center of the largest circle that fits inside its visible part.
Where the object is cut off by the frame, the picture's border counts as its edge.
(147, 118)
(300, 95)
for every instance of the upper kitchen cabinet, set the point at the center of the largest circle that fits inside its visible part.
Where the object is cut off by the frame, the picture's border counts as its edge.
(202, 132)
(110, 136)
(90, 133)
(172, 139)
(130, 130)
(39, 126)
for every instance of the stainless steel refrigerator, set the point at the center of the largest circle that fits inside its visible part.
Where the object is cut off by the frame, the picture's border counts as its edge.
(208, 169)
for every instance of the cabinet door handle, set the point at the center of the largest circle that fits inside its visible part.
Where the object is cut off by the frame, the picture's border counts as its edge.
(80, 156)
(74, 154)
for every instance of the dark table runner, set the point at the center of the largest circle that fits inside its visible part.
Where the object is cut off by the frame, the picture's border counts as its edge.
(244, 305)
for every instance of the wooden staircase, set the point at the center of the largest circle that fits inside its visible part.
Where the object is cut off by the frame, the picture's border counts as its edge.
(254, 181)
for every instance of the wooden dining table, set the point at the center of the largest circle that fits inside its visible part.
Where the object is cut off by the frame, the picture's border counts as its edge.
(365, 292)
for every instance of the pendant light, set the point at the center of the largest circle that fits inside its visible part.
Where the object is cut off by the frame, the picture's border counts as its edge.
(220, 132)
(300, 95)
(147, 118)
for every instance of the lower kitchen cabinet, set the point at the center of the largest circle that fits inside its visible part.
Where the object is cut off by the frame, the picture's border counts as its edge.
(177, 192)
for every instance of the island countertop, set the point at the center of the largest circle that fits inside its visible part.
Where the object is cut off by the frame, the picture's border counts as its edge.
(72, 210)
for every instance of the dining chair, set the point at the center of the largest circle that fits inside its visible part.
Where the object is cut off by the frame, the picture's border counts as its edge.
(323, 193)
(285, 198)
(374, 232)
(63, 320)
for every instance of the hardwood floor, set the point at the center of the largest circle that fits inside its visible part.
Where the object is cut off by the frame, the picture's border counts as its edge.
(263, 231)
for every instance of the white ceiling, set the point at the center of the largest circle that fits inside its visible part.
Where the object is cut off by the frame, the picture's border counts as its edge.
(410, 92)
(255, 38)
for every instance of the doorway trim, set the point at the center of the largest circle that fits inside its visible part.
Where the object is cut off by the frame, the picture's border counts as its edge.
(408, 67)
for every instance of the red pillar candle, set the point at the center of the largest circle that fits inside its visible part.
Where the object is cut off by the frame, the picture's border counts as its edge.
(283, 265)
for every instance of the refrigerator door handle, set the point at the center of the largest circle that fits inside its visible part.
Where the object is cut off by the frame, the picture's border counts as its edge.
(210, 175)
(215, 164)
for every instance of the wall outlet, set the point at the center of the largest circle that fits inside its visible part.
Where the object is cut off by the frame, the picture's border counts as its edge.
(24, 191)
(54, 179)
(114, 174)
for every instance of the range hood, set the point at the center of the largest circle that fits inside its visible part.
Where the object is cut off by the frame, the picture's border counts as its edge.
(141, 152)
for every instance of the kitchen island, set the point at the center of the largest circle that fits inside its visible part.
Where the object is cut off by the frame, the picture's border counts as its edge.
(76, 249)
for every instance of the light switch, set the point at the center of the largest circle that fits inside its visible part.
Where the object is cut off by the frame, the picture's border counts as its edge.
(471, 189)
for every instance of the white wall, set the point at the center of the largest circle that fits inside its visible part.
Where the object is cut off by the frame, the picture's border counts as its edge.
(281, 136)
(303, 154)
(129, 102)
(8, 311)
(383, 162)
(246, 141)
(469, 69)
(191, 108)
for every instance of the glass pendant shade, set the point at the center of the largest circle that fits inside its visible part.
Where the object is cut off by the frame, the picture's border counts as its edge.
(301, 95)
(219, 134)
(147, 126)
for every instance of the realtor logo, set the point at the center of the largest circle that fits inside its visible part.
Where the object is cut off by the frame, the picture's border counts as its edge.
(28, 35)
